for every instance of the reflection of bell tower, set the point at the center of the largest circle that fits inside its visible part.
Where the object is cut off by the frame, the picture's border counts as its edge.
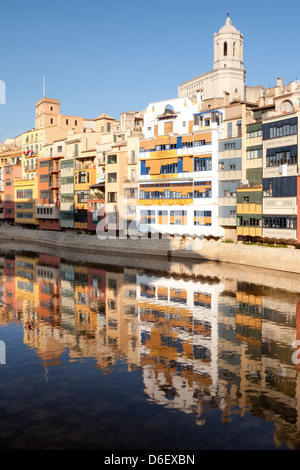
(228, 47)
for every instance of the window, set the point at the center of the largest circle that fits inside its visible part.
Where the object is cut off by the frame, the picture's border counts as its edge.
(112, 177)
(229, 146)
(133, 159)
(75, 122)
(111, 159)
(256, 153)
(202, 218)
(51, 121)
(202, 164)
(112, 197)
(82, 177)
(178, 217)
(44, 178)
(147, 217)
(225, 49)
(67, 121)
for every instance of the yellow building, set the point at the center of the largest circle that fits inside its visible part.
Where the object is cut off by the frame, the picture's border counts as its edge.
(249, 211)
(25, 201)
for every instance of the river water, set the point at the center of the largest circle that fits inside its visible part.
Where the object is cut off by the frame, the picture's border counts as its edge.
(101, 353)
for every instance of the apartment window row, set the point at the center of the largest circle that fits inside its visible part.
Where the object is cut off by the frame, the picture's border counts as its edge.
(24, 194)
(131, 193)
(180, 145)
(229, 146)
(202, 164)
(24, 215)
(256, 153)
(281, 156)
(282, 131)
(280, 222)
(24, 206)
(280, 187)
(282, 128)
(176, 217)
(249, 221)
(166, 194)
(251, 135)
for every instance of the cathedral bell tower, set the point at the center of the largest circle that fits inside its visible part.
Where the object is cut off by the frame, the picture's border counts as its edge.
(228, 47)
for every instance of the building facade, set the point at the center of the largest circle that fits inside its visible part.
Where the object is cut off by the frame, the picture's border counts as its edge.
(178, 180)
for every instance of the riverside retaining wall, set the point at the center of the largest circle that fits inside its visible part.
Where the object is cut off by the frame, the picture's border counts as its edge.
(282, 259)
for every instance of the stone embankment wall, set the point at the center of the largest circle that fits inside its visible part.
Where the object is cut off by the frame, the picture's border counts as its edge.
(282, 259)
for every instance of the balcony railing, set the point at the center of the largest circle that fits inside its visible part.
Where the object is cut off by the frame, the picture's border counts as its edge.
(84, 166)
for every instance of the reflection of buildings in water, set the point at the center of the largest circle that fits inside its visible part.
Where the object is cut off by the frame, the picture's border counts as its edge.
(179, 336)
(122, 327)
(199, 346)
(260, 377)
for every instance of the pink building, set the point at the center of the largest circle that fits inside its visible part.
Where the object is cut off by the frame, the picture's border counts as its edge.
(11, 173)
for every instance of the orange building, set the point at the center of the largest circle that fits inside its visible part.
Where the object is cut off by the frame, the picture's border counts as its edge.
(47, 207)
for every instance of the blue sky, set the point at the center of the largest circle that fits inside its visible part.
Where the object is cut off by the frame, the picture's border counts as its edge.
(114, 56)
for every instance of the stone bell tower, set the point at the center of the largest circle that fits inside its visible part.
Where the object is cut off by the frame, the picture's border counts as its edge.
(228, 74)
(228, 47)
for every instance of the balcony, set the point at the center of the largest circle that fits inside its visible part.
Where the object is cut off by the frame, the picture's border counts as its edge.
(47, 211)
(84, 166)
(230, 175)
(227, 221)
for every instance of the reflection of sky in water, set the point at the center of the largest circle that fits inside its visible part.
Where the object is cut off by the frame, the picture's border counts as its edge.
(98, 358)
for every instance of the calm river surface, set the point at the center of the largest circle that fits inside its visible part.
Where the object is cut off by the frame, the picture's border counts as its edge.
(146, 355)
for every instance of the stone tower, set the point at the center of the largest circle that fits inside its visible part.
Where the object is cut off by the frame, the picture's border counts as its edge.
(228, 48)
(228, 74)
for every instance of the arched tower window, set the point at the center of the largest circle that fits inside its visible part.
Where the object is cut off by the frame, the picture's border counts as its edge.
(233, 49)
(225, 48)
(286, 107)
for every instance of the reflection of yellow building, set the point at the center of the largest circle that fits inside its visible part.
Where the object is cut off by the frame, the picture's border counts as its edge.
(248, 318)
(25, 200)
